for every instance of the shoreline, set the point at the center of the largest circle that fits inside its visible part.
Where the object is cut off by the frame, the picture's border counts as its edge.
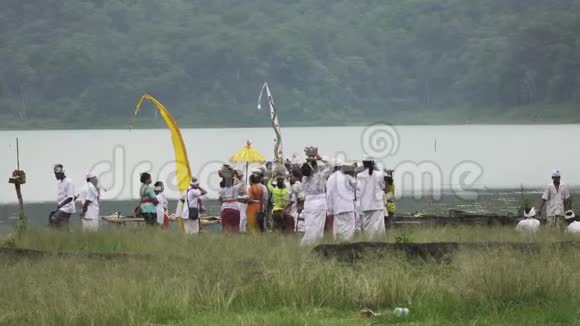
(291, 126)
(407, 195)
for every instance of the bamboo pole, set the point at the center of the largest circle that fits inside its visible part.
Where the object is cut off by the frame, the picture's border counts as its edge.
(18, 179)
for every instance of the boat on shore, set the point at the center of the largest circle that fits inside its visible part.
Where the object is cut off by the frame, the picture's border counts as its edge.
(456, 217)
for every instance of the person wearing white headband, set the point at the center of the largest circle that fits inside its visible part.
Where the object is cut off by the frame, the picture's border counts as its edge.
(65, 198)
(530, 224)
(574, 226)
(191, 208)
(340, 196)
(162, 204)
(556, 199)
(90, 212)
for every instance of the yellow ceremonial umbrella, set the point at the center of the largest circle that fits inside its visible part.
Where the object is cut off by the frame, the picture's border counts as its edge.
(247, 155)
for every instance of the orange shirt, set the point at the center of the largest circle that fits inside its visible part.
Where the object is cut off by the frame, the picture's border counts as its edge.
(255, 193)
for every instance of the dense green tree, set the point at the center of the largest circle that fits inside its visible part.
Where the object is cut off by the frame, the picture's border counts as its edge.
(84, 63)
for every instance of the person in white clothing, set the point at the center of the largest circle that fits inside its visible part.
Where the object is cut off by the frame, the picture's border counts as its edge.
(340, 194)
(90, 212)
(352, 172)
(262, 217)
(372, 200)
(530, 224)
(82, 195)
(574, 226)
(239, 178)
(556, 199)
(190, 203)
(65, 205)
(315, 209)
(162, 204)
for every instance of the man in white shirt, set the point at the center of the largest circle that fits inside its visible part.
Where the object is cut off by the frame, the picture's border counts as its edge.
(574, 227)
(65, 195)
(90, 212)
(190, 200)
(529, 224)
(556, 199)
(161, 207)
(340, 191)
(372, 200)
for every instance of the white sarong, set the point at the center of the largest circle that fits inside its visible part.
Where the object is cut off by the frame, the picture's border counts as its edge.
(344, 226)
(191, 226)
(90, 225)
(373, 223)
(243, 217)
(314, 214)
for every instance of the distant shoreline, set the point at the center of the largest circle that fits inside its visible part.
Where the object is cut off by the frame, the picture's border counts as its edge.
(306, 126)
(409, 196)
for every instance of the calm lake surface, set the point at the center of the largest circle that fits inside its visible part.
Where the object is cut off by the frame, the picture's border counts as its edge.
(427, 159)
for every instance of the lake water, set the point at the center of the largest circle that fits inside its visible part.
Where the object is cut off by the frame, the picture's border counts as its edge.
(427, 159)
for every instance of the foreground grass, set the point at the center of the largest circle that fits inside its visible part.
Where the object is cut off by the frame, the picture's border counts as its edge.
(212, 279)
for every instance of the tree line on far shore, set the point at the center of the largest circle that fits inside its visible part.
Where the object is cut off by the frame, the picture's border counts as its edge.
(84, 63)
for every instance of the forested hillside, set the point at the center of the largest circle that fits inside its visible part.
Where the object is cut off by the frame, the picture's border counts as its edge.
(84, 63)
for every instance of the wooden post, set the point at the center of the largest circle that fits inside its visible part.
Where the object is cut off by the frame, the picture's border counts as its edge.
(18, 179)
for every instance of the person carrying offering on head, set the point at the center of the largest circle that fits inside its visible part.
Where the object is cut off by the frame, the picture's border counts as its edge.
(372, 199)
(65, 205)
(314, 189)
(556, 199)
(191, 207)
(228, 196)
(90, 211)
(530, 224)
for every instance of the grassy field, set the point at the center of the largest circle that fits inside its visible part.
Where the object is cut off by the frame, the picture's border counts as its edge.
(149, 277)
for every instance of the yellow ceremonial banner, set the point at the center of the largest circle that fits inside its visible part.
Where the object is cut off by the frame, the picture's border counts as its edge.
(183, 171)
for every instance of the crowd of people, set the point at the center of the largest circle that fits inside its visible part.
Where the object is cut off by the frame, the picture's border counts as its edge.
(308, 199)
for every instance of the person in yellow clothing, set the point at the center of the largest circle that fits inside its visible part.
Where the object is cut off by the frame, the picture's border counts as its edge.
(391, 206)
(282, 220)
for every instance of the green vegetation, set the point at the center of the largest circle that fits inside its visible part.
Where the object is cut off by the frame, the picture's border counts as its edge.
(84, 63)
(212, 279)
